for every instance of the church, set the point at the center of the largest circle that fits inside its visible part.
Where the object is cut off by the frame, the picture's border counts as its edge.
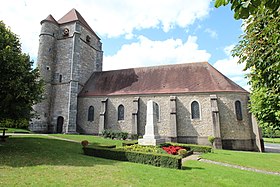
(193, 100)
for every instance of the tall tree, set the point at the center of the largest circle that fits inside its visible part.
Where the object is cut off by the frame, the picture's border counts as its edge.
(20, 87)
(259, 48)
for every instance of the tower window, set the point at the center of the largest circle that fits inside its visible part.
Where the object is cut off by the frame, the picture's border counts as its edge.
(91, 113)
(88, 38)
(121, 112)
(238, 110)
(60, 78)
(48, 68)
(195, 111)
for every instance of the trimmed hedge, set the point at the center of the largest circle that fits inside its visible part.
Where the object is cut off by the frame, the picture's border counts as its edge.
(129, 143)
(196, 148)
(155, 159)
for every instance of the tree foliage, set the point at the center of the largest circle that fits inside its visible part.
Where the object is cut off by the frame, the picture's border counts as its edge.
(259, 48)
(20, 87)
(243, 8)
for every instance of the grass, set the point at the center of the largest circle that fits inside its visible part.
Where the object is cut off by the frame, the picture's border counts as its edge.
(40, 161)
(92, 139)
(272, 140)
(263, 161)
(13, 130)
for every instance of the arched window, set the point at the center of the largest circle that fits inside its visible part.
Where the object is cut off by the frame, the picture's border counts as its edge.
(195, 110)
(157, 110)
(91, 113)
(121, 112)
(238, 110)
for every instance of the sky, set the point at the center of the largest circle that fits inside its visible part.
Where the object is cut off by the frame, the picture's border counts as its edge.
(140, 33)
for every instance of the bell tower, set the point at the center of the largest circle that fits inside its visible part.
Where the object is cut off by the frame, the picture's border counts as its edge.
(69, 52)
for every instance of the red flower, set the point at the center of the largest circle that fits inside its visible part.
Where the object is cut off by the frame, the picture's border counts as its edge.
(172, 149)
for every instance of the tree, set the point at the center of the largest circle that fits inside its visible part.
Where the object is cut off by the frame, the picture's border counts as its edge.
(259, 48)
(20, 87)
(244, 8)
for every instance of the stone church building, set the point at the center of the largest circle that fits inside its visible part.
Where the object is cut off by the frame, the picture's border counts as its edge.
(193, 100)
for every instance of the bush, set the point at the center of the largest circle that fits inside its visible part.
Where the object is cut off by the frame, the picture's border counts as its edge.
(195, 148)
(134, 136)
(129, 143)
(84, 143)
(19, 123)
(143, 148)
(155, 159)
(109, 133)
(211, 139)
(184, 153)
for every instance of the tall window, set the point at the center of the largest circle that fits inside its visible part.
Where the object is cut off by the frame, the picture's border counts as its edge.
(157, 109)
(60, 78)
(91, 113)
(238, 110)
(195, 110)
(121, 112)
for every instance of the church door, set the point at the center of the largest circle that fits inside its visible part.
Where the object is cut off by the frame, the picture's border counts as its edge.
(59, 124)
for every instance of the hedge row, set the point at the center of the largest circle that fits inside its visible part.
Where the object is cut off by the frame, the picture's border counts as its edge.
(155, 159)
(196, 148)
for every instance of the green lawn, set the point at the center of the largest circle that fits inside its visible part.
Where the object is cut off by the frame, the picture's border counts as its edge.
(40, 161)
(13, 130)
(272, 140)
(264, 161)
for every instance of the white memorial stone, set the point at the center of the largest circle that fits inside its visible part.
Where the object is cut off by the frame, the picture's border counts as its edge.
(151, 136)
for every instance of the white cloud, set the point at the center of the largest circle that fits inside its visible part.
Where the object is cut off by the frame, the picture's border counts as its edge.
(212, 33)
(111, 18)
(146, 52)
(232, 69)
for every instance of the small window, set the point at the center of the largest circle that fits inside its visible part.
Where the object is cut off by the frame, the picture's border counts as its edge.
(91, 113)
(195, 110)
(121, 112)
(157, 111)
(60, 78)
(238, 110)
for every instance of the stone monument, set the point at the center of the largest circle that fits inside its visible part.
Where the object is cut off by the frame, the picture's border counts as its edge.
(151, 136)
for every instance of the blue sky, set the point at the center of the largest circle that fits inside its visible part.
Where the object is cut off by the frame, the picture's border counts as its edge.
(137, 33)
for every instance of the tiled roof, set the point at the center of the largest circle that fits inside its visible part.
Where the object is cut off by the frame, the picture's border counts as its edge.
(74, 15)
(170, 79)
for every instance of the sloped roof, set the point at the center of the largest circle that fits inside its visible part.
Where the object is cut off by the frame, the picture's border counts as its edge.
(50, 19)
(180, 78)
(74, 15)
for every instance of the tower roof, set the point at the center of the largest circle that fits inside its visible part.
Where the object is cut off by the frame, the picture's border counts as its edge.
(168, 79)
(50, 19)
(74, 15)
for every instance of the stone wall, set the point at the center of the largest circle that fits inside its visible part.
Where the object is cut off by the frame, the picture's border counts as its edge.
(233, 132)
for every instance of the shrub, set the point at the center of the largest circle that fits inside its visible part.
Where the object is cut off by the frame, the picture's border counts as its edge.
(84, 143)
(19, 123)
(211, 139)
(155, 159)
(195, 148)
(143, 148)
(129, 143)
(134, 136)
(109, 133)
(123, 135)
